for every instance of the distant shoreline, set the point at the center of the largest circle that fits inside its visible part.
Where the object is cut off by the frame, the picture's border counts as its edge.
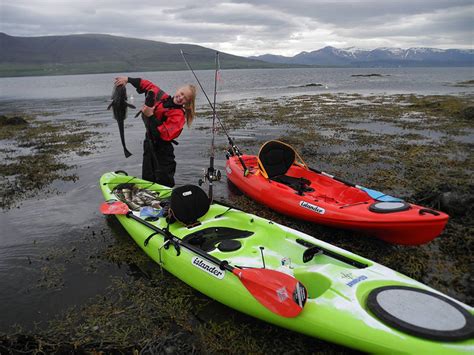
(65, 73)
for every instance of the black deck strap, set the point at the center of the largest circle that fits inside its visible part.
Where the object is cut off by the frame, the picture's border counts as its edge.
(176, 245)
(121, 172)
(390, 305)
(145, 243)
(167, 241)
(300, 185)
(311, 252)
(333, 254)
(125, 185)
(223, 213)
(427, 210)
(170, 240)
(167, 235)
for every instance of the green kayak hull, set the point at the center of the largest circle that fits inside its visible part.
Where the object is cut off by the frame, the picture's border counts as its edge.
(338, 282)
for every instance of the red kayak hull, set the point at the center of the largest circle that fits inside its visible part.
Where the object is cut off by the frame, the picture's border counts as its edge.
(335, 204)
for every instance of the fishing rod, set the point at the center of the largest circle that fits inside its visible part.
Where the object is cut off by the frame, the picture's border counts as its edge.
(235, 150)
(213, 174)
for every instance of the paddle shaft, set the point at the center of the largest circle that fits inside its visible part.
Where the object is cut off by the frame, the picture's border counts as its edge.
(280, 293)
(182, 243)
(334, 177)
(369, 192)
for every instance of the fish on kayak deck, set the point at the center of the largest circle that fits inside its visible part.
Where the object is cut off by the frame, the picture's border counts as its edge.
(119, 106)
(288, 278)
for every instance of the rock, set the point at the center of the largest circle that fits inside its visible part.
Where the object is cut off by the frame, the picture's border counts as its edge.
(455, 204)
(468, 113)
(12, 121)
(366, 75)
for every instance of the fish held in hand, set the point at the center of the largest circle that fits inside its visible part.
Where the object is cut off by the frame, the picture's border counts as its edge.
(119, 106)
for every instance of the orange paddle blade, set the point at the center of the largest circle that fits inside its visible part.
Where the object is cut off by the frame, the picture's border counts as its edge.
(279, 292)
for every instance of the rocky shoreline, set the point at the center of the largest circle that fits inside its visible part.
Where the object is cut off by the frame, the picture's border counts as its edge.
(415, 147)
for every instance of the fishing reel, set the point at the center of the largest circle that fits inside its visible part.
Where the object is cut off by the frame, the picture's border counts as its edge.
(210, 175)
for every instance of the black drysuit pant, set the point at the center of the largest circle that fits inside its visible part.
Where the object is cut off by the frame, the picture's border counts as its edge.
(158, 161)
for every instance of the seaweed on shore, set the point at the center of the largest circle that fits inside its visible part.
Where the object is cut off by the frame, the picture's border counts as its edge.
(410, 146)
(36, 154)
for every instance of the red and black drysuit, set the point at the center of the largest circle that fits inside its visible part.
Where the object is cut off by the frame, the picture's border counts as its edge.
(162, 128)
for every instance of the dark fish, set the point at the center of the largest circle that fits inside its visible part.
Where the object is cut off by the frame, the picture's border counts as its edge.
(119, 105)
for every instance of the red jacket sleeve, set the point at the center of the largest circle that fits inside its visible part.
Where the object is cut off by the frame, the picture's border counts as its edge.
(146, 85)
(172, 127)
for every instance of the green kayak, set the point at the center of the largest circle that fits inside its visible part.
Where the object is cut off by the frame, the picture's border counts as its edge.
(283, 276)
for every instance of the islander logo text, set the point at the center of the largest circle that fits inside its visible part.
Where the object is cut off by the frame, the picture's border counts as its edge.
(208, 267)
(311, 207)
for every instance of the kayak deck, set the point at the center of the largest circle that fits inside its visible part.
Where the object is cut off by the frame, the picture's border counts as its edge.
(338, 282)
(336, 204)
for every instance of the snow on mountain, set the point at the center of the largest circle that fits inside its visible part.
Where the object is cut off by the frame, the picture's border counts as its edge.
(383, 56)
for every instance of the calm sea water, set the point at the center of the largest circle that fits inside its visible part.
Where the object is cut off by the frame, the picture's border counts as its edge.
(49, 221)
(251, 83)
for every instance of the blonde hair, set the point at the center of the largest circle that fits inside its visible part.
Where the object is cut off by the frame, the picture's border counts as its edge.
(190, 106)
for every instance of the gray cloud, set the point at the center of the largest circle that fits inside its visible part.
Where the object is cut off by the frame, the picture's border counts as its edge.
(248, 27)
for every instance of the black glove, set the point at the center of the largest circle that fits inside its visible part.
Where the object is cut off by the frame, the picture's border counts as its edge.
(150, 99)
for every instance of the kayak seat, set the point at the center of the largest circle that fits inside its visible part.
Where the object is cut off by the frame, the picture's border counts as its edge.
(223, 238)
(275, 159)
(187, 204)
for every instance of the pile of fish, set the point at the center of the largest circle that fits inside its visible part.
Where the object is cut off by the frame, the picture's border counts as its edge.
(147, 202)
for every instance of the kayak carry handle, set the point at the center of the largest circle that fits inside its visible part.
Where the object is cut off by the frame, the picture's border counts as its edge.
(427, 210)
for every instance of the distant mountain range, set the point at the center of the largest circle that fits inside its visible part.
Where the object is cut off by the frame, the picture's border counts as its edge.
(98, 53)
(380, 57)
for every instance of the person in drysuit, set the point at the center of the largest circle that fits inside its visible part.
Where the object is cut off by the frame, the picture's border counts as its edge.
(164, 117)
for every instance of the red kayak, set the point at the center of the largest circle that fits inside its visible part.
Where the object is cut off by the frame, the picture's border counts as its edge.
(279, 179)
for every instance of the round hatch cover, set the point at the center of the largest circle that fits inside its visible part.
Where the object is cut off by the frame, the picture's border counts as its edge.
(229, 245)
(421, 313)
(387, 207)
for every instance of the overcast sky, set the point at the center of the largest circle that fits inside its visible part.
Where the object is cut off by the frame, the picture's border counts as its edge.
(253, 27)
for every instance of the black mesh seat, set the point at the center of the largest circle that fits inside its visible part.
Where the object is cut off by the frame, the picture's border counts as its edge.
(275, 159)
(188, 203)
